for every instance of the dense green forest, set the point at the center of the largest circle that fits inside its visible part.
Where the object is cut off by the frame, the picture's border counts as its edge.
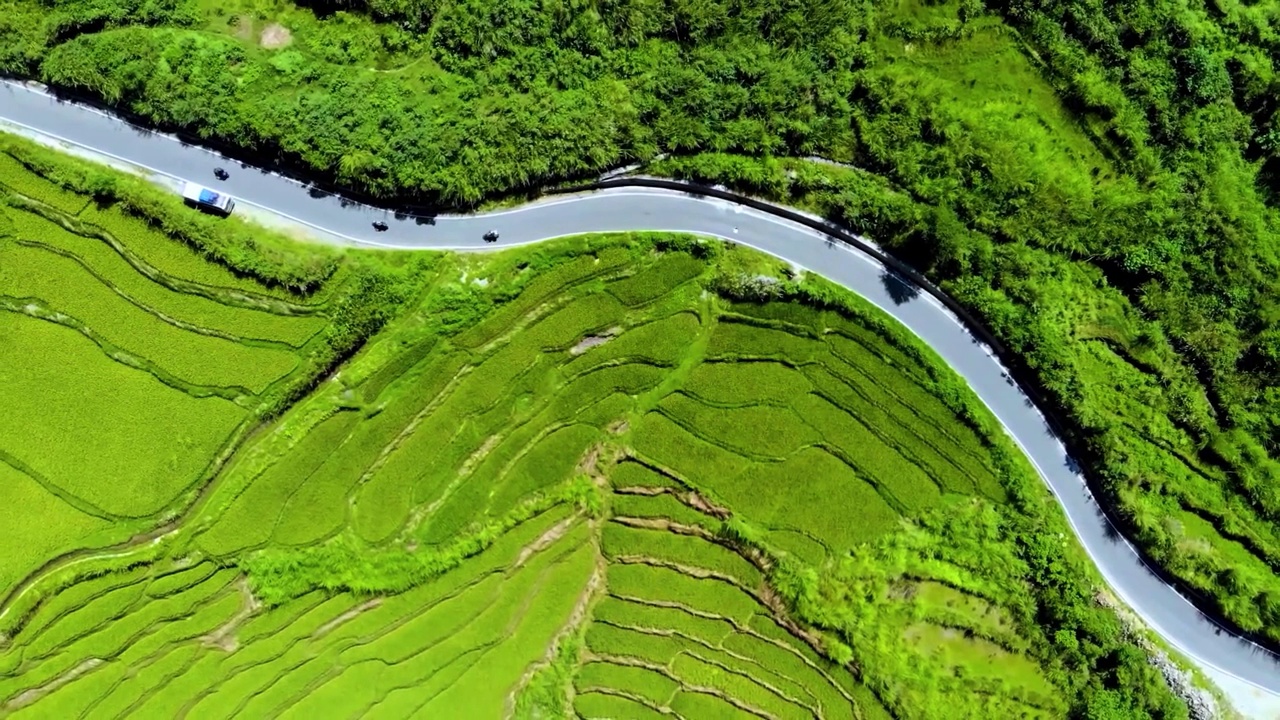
(1099, 181)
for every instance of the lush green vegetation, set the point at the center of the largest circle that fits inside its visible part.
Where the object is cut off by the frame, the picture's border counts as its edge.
(1100, 187)
(533, 482)
(142, 343)
(1099, 181)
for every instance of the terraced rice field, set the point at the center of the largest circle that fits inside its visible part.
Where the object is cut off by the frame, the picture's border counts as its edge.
(569, 481)
(129, 367)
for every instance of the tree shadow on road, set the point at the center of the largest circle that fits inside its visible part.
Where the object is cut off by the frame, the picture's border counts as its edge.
(900, 289)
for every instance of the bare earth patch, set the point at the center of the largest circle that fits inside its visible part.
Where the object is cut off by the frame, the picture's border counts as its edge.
(642, 490)
(242, 26)
(275, 36)
(544, 541)
(591, 341)
(700, 503)
(224, 637)
(29, 696)
(346, 616)
(576, 619)
(589, 463)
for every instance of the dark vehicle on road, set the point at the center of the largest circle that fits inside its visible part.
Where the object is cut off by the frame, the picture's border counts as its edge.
(491, 236)
(380, 226)
(221, 174)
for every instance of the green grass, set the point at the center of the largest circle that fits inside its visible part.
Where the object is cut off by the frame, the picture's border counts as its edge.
(651, 649)
(903, 483)
(1018, 678)
(202, 311)
(546, 613)
(515, 615)
(252, 517)
(551, 461)
(65, 286)
(689, 704)
(632, 614)
(842, 333)
(538, 290)
(178, 259)
(737, 429)
(179, 578)
(744, 383)
(371, 438)
(320, 505)
(815, 682)
(655, 281)
(654, 687)
(84, 693)
(661, 440)
(1008, 146)
(794, 318)
(683, 550)
(38, 526)
(696, 672)
(106, 632)
(661, 342)
(118, 699)
(592, 387)
(914, 439)
(70, 597)
(743, 341)
(428, 458)
(600, 706)
(665, 506)
(53, 421)
(646, 582)
(567, 325)
(951, 607)
(633, 474)
(15, 177)
(840, 508)
(224, 693)
(397, 366)
(78, 622)
(699, 629)
(918, 409)
(281, 617)
(221, 683)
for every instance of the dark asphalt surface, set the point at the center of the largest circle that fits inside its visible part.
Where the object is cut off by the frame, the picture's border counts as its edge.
(1171, 615)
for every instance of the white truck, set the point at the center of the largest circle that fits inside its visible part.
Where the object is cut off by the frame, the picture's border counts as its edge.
(206, 198)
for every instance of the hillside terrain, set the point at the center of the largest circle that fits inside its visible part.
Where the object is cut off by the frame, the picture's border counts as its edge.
(1098, 181)
(262, 479)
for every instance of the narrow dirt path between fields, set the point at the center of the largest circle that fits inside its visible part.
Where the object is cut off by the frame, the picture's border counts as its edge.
(224, 637)
(29, 696)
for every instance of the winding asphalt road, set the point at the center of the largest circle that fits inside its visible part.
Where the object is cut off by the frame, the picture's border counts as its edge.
(1163, 608)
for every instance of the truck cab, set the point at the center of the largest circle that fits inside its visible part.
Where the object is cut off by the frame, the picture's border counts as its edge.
(203, 197)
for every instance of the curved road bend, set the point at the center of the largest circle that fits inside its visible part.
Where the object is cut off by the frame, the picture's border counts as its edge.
(1167, 612)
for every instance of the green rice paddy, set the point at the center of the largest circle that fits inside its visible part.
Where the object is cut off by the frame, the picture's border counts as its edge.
(567, 481)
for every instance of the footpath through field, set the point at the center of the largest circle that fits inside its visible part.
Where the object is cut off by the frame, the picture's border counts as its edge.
(1244, 666)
